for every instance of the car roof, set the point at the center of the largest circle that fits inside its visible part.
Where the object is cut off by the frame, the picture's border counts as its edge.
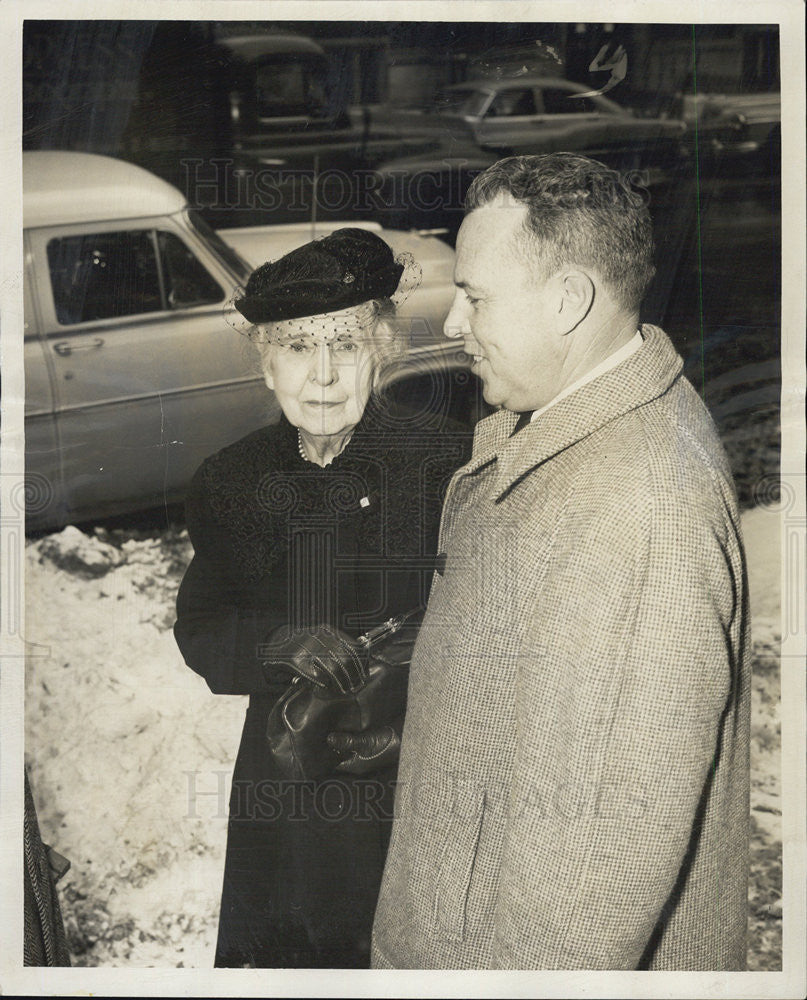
(499, 83)
(249, 47)
(61, 188)
(492, 86)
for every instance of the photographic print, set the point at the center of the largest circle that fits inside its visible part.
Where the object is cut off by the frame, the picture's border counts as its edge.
(403, 502)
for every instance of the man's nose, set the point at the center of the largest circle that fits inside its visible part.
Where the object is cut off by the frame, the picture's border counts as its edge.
(456, 323)
(323, 369)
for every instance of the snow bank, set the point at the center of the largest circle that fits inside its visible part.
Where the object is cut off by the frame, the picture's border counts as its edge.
(123, 743)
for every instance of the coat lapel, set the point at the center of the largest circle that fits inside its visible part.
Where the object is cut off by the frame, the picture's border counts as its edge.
(642, 377)
(639, 379)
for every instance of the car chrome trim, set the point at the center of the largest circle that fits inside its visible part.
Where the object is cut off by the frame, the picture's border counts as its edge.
(173, 393)
(139, 319)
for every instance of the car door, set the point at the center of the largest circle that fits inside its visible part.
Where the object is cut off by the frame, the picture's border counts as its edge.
(148, 377)
(43, 486)
(510, 117)
(568, 121)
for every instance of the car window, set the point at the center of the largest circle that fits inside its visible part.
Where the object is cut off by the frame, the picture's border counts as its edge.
(104, 275)
(109, 275)
(461, 101)
(508, 103)
(187, 283)
(288, 88)
(224, 251)
(564, 102)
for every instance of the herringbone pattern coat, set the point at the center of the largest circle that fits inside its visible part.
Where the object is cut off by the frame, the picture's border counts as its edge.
(574, 778)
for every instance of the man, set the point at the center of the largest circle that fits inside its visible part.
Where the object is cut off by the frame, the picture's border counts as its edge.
(574, 778)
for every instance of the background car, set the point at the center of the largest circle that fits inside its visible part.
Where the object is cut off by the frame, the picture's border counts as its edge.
(272, 127)
(483, 120)
(735, 134)
(133, 373)
(545, 114)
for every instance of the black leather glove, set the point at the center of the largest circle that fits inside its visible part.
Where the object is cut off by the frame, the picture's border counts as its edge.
(326, 657)
(366, 751)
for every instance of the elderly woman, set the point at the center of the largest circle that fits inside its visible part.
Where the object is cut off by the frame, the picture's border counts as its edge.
(306, 535)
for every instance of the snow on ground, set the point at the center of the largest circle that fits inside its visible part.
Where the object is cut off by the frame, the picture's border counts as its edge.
(130, 755)
(120, 734)
(761, 531)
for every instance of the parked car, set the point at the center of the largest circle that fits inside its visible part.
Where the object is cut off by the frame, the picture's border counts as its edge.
(520, 115)
(543, 114)
(133, 374)
(735, 133)
(256, 128)
(260, 132)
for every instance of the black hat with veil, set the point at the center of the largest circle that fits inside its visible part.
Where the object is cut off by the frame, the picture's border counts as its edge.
(347, 268)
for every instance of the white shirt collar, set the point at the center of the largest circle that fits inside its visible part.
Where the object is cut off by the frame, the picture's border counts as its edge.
(610, 362)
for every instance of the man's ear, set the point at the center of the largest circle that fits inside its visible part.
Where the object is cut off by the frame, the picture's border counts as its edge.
(576, 298)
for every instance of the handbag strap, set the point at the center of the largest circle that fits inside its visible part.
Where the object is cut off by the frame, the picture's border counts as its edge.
(387, 628)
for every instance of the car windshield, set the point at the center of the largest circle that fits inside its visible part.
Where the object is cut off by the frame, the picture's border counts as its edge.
(285, 87)
(233, 260)
(462, 101)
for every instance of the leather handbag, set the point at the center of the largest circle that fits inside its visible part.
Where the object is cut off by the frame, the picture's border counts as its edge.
(301, 719)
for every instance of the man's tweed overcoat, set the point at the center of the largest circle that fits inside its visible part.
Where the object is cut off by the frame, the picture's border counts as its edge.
(574, 778)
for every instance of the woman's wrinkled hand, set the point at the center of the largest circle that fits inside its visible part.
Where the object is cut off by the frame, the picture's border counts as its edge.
(326, 657)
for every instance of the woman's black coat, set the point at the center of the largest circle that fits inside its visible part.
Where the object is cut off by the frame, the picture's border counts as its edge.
(278, 541)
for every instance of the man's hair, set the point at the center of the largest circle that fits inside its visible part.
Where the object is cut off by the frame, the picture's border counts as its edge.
(579, 212)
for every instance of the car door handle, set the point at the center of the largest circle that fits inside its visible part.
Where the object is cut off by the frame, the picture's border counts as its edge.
(66, 347)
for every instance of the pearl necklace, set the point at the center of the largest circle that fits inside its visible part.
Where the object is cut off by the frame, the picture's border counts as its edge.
(305, 457)
(300, 448)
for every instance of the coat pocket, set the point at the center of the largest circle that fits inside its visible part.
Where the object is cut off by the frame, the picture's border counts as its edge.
(449, 912)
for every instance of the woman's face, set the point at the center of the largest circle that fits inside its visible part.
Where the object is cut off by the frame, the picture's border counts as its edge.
(321, 370)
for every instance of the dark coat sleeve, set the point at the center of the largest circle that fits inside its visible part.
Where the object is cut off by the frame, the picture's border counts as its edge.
(217, 633)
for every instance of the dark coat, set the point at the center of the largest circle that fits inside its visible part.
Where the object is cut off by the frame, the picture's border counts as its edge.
(279, 540)
(44, 939)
